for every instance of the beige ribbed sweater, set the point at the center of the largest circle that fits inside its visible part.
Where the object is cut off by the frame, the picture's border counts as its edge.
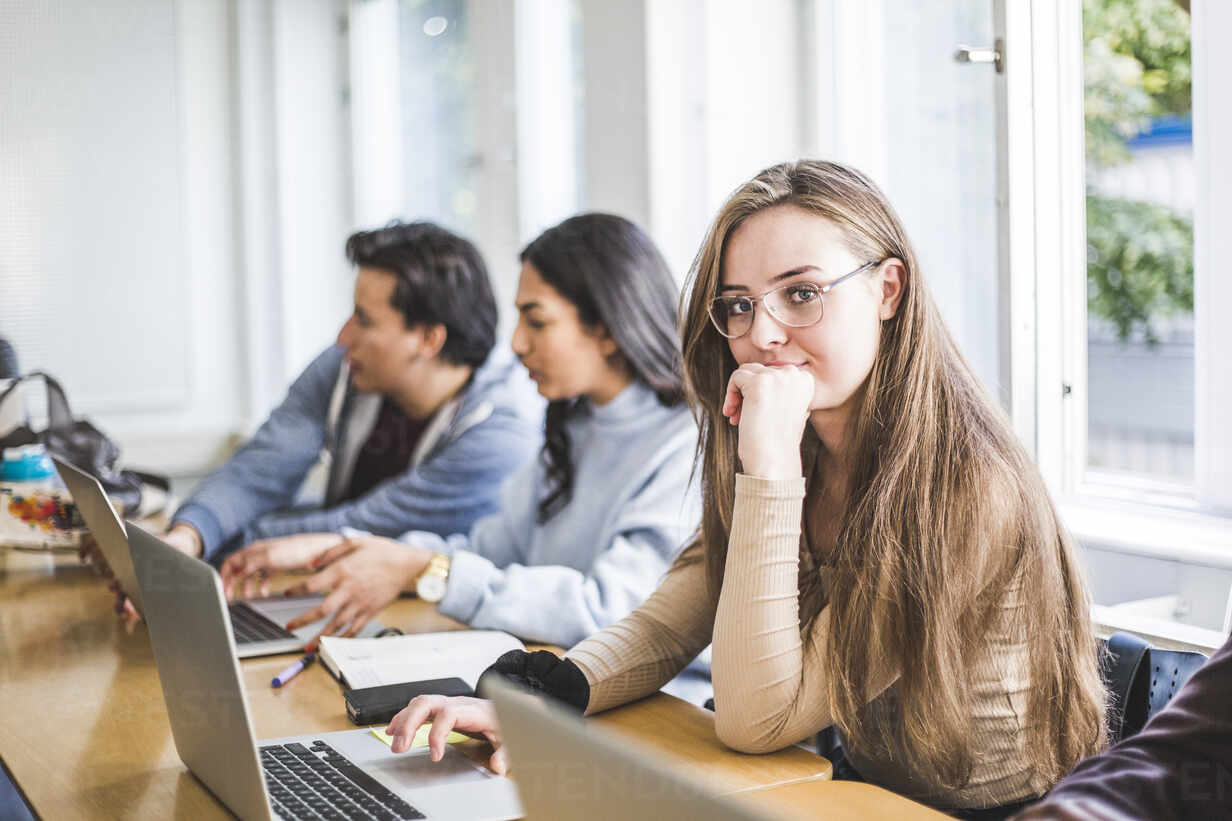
(769, 680)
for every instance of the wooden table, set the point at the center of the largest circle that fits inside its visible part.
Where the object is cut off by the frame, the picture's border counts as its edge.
(835, 801)
(84, 730)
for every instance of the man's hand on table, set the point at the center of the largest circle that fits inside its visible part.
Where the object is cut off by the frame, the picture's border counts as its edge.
(249, 572)
(360, 576)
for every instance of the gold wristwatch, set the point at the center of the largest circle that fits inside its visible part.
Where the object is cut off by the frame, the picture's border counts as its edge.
(431, 584)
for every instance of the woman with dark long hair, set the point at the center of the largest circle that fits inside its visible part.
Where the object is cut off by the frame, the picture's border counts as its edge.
(877, 553)
(586, 531)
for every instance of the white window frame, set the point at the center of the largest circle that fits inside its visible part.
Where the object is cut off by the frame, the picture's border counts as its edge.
(1213, 247)
(1044, 275)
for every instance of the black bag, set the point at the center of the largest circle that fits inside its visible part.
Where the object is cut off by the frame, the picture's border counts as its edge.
(77, 441)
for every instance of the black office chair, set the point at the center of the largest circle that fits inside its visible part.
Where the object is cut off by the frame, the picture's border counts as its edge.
(1141, 680)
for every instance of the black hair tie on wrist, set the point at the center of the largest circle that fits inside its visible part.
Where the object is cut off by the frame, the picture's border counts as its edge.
(543, 672)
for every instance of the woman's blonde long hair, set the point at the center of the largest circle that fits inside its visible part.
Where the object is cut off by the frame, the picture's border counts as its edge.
(945, 512)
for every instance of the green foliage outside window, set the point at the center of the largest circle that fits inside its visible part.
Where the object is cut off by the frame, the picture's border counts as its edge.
(1140, 264)
(1140, 254)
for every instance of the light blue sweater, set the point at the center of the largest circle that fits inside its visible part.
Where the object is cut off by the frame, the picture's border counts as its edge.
(633, 507)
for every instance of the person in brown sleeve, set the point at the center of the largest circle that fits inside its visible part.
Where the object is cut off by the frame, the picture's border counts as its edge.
(1178, 767)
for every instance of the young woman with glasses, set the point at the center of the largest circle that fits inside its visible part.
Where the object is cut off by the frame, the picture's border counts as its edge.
(877, 551)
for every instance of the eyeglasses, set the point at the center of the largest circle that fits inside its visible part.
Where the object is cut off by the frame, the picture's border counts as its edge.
(796, 304)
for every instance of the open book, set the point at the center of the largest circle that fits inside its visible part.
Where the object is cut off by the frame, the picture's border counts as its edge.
(397, 659)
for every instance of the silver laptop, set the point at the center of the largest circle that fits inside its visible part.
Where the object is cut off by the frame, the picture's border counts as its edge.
(569, 768)
(348, 774)
(257, 623)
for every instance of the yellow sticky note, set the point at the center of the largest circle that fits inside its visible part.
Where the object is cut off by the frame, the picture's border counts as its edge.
(421, 736)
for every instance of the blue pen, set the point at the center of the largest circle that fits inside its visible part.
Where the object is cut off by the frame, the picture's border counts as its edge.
(290, 673)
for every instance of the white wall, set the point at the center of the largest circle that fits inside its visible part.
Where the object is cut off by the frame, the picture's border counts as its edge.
(76, 253)
(681, 108)
(496, 228)
(616, 161)
(313, 184)
(547, 116)
(173, 202)
(116, 240)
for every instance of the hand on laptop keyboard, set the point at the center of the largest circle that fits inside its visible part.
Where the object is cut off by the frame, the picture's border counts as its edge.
(361, 576)
(248, 572)
(473, 716)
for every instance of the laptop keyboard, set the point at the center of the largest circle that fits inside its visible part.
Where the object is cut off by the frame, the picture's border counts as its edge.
(319, 782)
(250, 626)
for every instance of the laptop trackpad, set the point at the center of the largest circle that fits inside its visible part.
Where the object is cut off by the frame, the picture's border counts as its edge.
(453, 788)
(418, 771)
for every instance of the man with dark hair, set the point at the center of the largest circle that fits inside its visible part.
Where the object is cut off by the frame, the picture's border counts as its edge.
(414, 418)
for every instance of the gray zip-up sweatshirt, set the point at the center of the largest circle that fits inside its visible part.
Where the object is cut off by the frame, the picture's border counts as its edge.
(476, 440)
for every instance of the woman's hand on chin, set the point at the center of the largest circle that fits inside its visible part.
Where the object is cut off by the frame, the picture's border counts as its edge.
(771, 406)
